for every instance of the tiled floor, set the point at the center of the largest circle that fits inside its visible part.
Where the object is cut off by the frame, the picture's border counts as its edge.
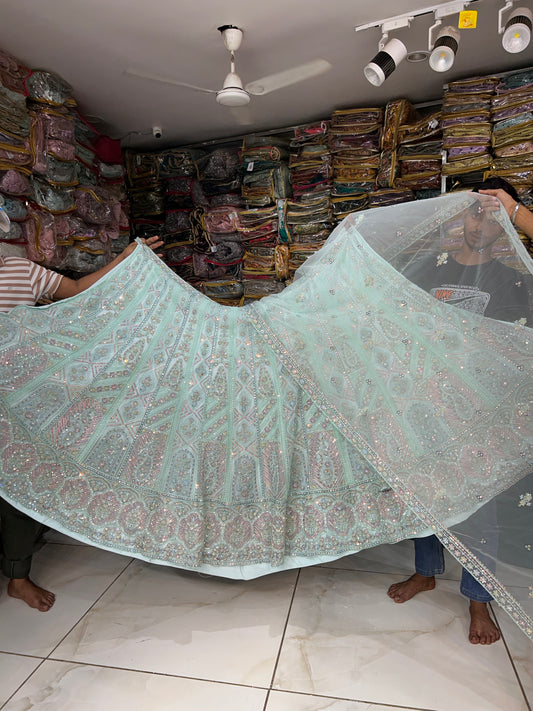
(129, 636)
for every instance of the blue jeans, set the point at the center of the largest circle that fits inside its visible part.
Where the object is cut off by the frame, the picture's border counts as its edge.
(429, 561)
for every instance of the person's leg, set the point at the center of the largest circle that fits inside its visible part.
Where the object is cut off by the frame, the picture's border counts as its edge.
(19, 535)
(482, 628)
(429, 561)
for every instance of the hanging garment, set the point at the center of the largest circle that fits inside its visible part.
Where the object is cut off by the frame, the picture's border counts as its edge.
(351, 409)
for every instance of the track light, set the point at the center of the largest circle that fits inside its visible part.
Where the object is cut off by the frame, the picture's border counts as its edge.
(517, 32)
(385, 61)
(444, 50)
(393, 52)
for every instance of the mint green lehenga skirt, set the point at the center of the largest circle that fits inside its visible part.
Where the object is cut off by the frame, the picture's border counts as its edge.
(350, 410)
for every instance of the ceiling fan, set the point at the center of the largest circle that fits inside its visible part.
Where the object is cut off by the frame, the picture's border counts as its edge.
(233, 93)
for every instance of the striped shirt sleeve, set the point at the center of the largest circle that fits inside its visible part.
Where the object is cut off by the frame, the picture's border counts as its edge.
(24, 282)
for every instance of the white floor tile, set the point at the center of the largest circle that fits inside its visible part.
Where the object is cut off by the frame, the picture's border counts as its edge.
(521, 650)
(168, 621)
(347, 639)
(58, 686)
(283, 701)
(397, 558)
(77, 575)
(13, 671)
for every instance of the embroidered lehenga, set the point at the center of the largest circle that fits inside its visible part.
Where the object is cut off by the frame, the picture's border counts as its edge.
(350, 410)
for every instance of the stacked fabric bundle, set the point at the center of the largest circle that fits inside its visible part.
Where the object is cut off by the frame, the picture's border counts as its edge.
(355, 144)
(258, 229)
(265, 170)
(146, 194)
(512, 131)
(306, 221)
(397, 114)
(78, 206)
(265, 182)
(15, 156)
(217, 245)
(420, 156)
(512, 136)
(217, 249)
(466, 123)
(164, 191)
(60, 209)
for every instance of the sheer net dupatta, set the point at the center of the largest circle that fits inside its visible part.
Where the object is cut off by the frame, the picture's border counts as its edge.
(436, 395)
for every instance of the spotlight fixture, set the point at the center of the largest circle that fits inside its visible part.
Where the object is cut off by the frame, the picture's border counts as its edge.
(392, 52)
(385, 62)
(517, 32)
(444, 50)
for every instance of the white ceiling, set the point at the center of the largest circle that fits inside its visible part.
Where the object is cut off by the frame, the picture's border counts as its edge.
(91, 42)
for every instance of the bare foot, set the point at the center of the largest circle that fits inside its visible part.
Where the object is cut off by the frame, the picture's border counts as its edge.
(401, 592)
(482, 628)
(33, 595)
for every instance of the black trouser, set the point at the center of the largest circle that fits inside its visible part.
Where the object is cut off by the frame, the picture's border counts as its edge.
(19, 536)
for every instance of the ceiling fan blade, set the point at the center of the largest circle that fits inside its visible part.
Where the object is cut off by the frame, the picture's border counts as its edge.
(288, 77)
(165, 80)
(242, 115)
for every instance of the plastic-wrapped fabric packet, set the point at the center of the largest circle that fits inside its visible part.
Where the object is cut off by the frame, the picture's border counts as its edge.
(149, 201)
(40, 235)
(397, 112)
(221, 164)
(12, 72)
(222, 219)
(14, 157)
(259, 260)
(389, 197)
(481, 84)
(258, 286)
(110, 171)
(225, 289)
(49, 88)
(79, 260)
(515, 176)
(206, 267)
(15, 208)
(176, 221)
(178, 253)
(459, 152)
(85, 175)
(14, 233)
(507, 112)
(463, 165)
(14, 182)
(281, 261)
(96, 206)
(176, 162)
(356, 121)
(59, 172)
(350, 203)
(14, 115)
(214, 188)
(519, 148)
(429, 180)
(516, 79)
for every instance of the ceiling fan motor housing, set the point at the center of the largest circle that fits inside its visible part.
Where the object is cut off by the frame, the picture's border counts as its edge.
(232, 93)
(233, 96)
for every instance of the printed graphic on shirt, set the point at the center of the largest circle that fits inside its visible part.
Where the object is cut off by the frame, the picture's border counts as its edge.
(469, 298)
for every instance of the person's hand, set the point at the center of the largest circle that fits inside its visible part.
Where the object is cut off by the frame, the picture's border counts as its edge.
(153, 242)
(492, 198)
